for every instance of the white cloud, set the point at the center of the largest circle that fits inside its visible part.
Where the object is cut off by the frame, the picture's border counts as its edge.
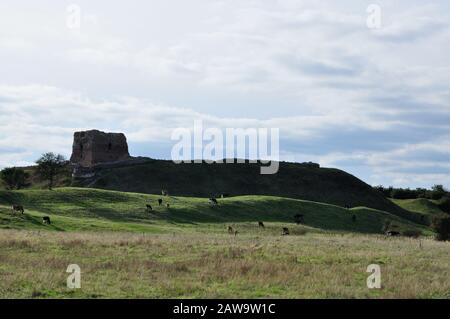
(312, 68)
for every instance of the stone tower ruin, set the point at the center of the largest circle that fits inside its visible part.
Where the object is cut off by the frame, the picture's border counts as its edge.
(96, 147)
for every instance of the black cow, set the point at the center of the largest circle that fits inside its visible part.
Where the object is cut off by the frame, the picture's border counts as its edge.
(168, 205)
(285, 231)
(46, 220)
(160, 201)
(230, 230)
(18, 208)
(299, 219)
(149, 207)
(392, 233)
(261, 224)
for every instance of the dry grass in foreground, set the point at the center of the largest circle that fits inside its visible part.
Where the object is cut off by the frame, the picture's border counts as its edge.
(122, 265)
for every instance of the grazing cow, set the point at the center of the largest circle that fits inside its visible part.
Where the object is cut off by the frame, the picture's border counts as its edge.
(160, 201)
(235, 233)
(285, 231)
(392, 233)
(149, 207)
(18, 208)
(213, 201)
(261, 224)
(168, 205)
(46, 220)
(354, 218)
(230, 230)
(299, 219)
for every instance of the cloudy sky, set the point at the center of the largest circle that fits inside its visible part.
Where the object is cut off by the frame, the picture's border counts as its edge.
(372, 101)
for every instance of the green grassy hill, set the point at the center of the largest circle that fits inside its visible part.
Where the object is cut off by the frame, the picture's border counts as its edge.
(92, 209)
(293, 180)
(186, 252)
(419, 205)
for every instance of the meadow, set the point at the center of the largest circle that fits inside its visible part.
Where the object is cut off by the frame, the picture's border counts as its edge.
(185, 251)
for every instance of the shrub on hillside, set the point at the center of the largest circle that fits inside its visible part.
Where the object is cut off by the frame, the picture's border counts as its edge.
(438, 191)
(50, 166)
(444, 205)
(387, 192)
(13, 177)
(404, 193)
(441, 225)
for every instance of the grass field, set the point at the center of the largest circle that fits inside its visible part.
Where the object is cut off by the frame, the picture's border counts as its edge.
(186, 252)
(192, 265)
(84, 209)
(419, 205)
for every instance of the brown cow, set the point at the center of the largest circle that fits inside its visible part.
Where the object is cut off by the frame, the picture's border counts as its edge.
(230, 230)
(261, 224)
(285, 231)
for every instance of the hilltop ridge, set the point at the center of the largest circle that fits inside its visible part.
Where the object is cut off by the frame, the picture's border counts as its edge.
(305, 181)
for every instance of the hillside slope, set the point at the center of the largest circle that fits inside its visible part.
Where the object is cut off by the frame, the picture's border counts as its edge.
(419, 205)
(92, 209)
(293, 180)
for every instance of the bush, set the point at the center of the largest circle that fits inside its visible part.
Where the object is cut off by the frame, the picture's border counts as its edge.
(413, 233)
(13, 177)
(441, 225)
(387, 192)
(438, 191)
(49, 166)
(404, 193)
(445, 204)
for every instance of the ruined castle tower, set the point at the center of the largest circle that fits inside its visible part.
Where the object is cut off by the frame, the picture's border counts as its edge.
(95, 147)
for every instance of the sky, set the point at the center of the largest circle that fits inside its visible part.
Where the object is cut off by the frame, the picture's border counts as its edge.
(373, 101)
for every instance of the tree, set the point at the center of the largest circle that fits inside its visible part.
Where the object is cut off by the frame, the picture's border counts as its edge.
(438, 191)
(13, 177)
(50, 166)
(387, 192)
(441, 225)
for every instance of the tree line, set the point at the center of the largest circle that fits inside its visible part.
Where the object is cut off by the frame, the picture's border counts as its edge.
(436, 192)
